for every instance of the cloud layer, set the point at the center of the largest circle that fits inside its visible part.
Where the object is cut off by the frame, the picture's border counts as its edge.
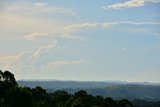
(44, 38)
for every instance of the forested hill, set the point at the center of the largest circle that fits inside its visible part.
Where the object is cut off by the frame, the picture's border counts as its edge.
(57, 84)
(128, 91)
(116, 90)
(13, 95)
(50, 84)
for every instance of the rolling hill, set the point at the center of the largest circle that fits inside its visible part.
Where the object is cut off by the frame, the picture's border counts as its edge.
(116, 90)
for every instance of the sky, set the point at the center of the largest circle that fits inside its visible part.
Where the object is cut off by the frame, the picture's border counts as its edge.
(84, 40)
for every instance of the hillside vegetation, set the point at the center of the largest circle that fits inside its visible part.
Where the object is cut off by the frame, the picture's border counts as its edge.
(116, 90)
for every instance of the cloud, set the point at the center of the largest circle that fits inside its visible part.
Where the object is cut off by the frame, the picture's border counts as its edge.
(27, 59)
(37, 8)
(106, 25)
(34, 35)
(10, 58)
(83, 25)
(153, 1)
(35, 20)
(38, 22)
(130, 4)
(15, 22)
(39, 61)
(9, 62)
(44, 7)
(125, 5)
(56, 64)
(39, 19)
(41, 52)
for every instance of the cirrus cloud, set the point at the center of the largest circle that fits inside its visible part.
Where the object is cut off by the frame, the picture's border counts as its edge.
(130, 4)
(105, 25)
(35, 35)
(56, 64)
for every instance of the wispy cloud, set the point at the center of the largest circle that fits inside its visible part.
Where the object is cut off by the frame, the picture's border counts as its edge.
(153, 1)
(40, 19)
(35, 35)
(27, 59)
(56, 64)
(44, 7)
(82, 25)
(106, 25)
(130, 4)
(37, 21)
(40, 60)
(41, 52)
(8, 62)
(37, 8)
(10, 58)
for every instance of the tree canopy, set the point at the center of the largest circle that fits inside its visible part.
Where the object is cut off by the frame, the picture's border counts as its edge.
(11, 95)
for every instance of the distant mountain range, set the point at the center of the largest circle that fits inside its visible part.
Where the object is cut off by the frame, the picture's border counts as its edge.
(114, 89)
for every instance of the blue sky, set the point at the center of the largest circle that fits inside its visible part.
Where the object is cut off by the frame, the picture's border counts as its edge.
(92, 40)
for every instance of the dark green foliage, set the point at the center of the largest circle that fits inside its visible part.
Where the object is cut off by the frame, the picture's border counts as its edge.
(124, 103)
(18, 97)
(8, 77)
(13, 96)
(143, 103)
(115, 90)
(82, 99)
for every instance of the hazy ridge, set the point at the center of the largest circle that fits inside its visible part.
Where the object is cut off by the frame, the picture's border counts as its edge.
(114, 89)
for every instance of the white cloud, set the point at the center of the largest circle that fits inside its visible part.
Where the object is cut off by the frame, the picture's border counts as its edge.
(35, 35)
(130, 4)
(56, 64)
(41, 52)
(40, 5)
(39, 18)
(34, 22)
(9, 62)
(10, 58)
(14, 22)
(27, 8)
(83, 25)
(27, 59)
(105, 25)
(153, 1)
(30, 63)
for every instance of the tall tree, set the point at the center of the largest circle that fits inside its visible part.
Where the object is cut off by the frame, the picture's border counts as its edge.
(1, 75)
(8, 77)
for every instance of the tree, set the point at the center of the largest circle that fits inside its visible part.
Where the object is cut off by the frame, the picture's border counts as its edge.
(13, 96)
(124, 103)
(82, 99)
(7, 81)
(7, 77)
(18, 97)
(109, 102)
(1, 76)
(98, 101)
(60, 98)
